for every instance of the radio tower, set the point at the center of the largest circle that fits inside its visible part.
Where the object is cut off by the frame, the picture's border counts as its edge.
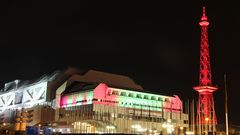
(206, 118)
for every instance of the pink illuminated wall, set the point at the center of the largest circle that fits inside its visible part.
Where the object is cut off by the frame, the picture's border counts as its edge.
(103, 94)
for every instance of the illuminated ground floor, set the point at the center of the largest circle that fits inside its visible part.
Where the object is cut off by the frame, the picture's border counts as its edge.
(98, 118)
(124, 126)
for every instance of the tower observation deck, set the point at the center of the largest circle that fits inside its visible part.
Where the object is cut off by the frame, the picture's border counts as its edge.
(206, 119)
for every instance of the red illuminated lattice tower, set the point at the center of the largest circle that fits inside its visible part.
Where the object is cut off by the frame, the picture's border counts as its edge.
(206, 120)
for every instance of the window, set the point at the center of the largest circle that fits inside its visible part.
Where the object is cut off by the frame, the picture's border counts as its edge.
(123, 94)
(109, 92)
(115, 93)
(139, 96)
(153, 98)
(160, 99)
(145, 97)
(166, 99)
(131, 95)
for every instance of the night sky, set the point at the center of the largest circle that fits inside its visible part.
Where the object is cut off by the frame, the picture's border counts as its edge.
(154, 42)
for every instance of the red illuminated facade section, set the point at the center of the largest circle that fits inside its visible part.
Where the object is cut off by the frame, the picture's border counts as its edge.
(206, 118)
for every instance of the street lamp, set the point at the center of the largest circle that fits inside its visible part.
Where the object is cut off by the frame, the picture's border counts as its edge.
(207, 119)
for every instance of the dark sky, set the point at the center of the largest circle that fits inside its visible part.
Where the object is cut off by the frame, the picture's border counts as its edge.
(154, 42)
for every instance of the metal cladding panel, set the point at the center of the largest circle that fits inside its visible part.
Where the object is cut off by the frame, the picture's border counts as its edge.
(28, 96)
(35, 93)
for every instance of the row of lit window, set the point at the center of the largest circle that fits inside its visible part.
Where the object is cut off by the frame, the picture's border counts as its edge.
(102, 100)
(131, 104)
(111, 101)
(119, 93)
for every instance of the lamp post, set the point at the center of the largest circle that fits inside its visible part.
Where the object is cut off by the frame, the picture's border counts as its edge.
(207, 119)
(226, 103)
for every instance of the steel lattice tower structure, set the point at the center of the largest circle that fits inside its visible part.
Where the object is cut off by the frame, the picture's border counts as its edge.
(206, 120)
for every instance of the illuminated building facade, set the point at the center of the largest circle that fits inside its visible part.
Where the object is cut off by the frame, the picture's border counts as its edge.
(99, 108)
(90, 102)
(25, 103)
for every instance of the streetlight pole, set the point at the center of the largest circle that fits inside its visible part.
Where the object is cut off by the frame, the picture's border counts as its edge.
(226, 103)
(207, 125)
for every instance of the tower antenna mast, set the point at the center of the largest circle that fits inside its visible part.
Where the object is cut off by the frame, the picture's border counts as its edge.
(206, 119)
